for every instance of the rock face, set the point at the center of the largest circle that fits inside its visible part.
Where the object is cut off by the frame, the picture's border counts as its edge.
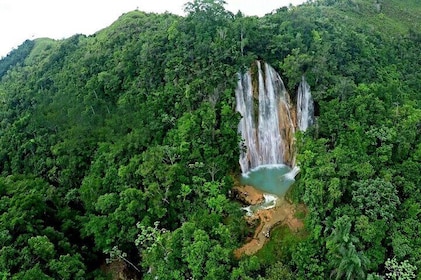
(267, 127)
(248, 195)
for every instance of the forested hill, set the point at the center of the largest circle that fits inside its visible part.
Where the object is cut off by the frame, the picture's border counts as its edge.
(122, 146)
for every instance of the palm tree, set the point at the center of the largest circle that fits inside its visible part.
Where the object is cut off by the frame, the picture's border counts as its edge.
(340, 235)
(350, 263)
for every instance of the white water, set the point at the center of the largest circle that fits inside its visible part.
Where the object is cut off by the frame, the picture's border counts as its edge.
(305, 107)
(262, 112)
(291, 175)
(268, 203)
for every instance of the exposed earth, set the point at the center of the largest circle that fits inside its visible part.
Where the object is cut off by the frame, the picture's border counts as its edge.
(282, 213)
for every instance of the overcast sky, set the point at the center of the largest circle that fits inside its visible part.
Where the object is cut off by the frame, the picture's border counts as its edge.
(58, 19)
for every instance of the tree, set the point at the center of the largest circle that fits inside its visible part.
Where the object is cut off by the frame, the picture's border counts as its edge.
(350, 263)
(344, 257)
(376, 199)
(400, 271)
(32, 245)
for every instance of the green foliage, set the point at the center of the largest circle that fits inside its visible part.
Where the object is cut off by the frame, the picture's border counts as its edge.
(403, 270)
(281, 245)
(123, 142)
(279, 271)
(376, 199)
(32, 242)
(190, 251)
(350, 263)
(16, 57)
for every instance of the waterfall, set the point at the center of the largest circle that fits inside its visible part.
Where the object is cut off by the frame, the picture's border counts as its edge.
(305, 107)
(267, 158)
(266, 127)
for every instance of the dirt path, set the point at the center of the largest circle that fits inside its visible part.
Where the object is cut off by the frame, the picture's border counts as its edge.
(282, 213)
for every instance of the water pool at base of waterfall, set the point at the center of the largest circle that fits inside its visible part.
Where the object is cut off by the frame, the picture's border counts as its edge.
(273, 178)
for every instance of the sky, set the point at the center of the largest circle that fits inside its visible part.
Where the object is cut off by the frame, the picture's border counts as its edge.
(59, 19)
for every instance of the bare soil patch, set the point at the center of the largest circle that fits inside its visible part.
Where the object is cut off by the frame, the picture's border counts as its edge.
(282, 213)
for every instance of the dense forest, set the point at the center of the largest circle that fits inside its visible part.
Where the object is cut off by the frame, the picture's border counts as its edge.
(120, 149)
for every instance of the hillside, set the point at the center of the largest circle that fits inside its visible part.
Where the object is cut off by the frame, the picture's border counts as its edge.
(121, 146)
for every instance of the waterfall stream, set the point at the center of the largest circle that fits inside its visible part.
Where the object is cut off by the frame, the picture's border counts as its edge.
(267, 128)
(305, 107)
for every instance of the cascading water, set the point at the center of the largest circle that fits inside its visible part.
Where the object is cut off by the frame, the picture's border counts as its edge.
(267, 130)
(305, 107)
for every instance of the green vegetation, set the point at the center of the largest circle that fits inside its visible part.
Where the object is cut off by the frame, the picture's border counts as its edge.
(281, 245)
(15, 57)
(120, 145)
